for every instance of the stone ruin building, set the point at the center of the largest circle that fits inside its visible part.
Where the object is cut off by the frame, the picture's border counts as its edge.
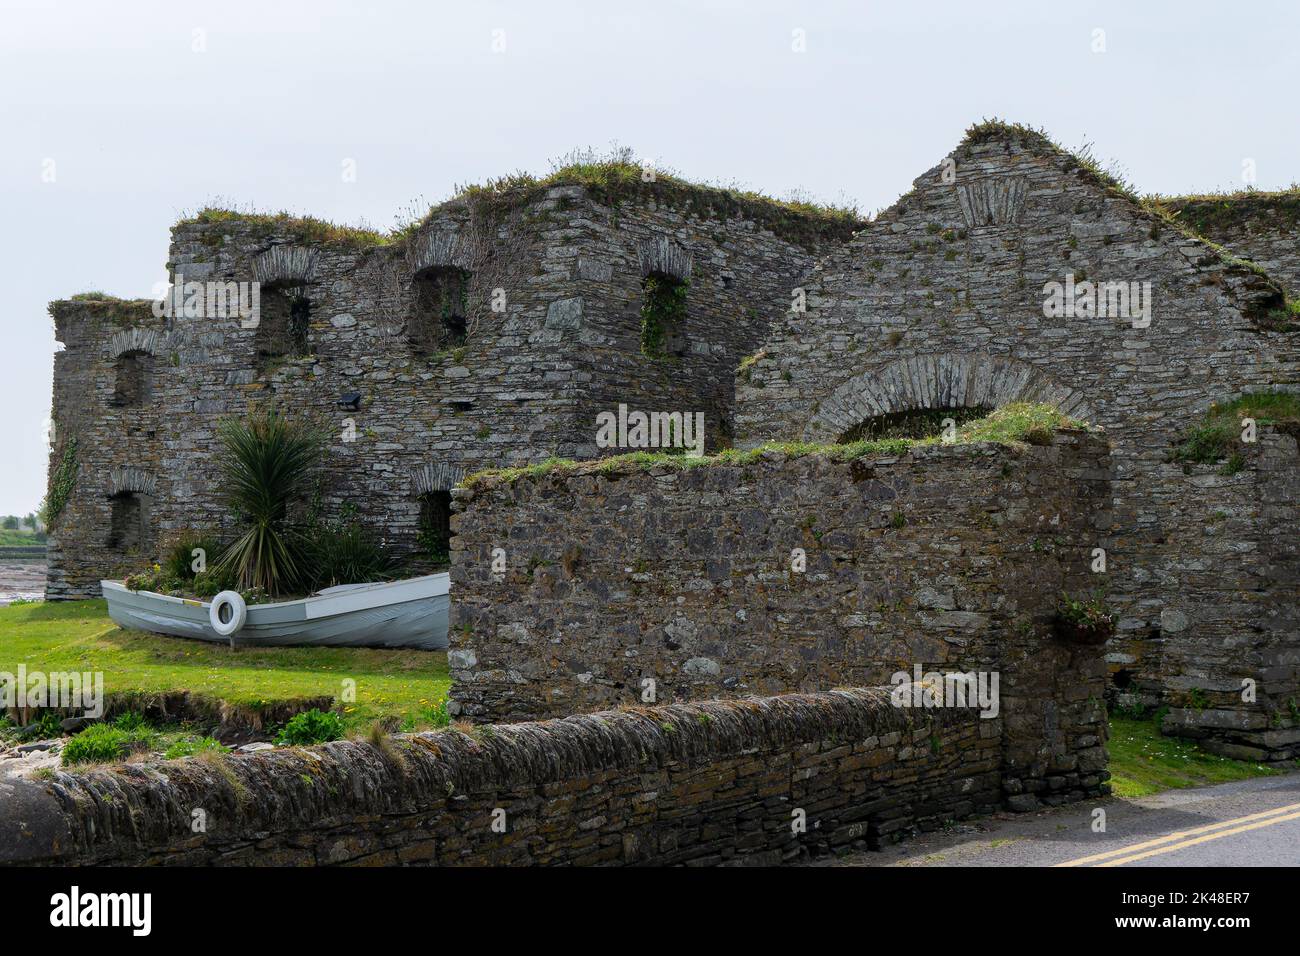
(489, 336)
(939, 304)
(493, 334)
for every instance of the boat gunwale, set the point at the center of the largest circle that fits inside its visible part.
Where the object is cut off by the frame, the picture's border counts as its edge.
(360, 589)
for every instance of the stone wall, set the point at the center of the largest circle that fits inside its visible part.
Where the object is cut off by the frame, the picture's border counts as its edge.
(944, 558)
(1233, 622)
(100, 440)
(410, 415)
(713, 783)
(939, 303)
(1259, 226)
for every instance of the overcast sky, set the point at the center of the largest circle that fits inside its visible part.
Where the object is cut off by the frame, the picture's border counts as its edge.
(139, 111)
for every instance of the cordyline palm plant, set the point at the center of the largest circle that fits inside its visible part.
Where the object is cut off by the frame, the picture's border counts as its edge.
(265, 471)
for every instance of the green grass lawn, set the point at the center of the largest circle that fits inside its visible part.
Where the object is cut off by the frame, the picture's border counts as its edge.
(78, 635)
(1142, 762)
(410, 685)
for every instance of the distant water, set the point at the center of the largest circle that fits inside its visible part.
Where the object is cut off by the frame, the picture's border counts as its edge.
(21, 579)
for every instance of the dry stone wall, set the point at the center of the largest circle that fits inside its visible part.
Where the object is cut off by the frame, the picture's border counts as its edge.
(711, 783)
(410, 413)
(940, 303)
(948, 558)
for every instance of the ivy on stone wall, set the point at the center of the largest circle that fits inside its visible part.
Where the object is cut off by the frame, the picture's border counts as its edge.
(62, 481)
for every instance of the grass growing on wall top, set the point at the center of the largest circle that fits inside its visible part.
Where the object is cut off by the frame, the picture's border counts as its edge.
(612, 177)
(1213, 212)
(615, 177)
(1108, 177)
(79, 636)
(1017, 423)
(308, 229)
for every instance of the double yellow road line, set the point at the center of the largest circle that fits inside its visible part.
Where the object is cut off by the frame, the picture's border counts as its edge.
(1186, 838)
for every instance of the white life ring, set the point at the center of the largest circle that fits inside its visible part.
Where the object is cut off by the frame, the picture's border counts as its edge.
(238, 613)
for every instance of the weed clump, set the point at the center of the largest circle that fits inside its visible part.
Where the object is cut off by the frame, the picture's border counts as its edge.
(1218, 435)
(311, 727)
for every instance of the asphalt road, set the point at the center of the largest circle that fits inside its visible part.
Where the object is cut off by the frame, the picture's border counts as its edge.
(1247, 823)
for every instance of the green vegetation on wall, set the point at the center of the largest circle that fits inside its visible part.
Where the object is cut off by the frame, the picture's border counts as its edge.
(1019, 423)
(616, 177)
(662, 312)
(1218, 435)
(307, 229)
(1217, 213)
(61, 482)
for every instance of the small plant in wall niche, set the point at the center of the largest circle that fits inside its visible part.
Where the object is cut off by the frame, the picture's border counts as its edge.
(1083, 622)
(663, 313)
(746, 367)
(1218, 435)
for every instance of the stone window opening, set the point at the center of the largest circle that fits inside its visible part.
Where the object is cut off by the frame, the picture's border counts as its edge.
(913, 423)
(663, 316)
(131, 378)
(439, 317)
(283, 324)
(435, 526)
(129, 521)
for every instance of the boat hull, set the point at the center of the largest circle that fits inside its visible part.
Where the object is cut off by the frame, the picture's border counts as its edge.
(410, 613)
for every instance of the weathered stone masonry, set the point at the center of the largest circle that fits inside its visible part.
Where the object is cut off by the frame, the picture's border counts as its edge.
(939, 303)
(1261, 227)
(1237, 567)
(703, 784)
(428, 402)
(952, 558)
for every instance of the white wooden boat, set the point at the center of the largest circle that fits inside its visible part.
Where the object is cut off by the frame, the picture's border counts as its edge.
(409, 613)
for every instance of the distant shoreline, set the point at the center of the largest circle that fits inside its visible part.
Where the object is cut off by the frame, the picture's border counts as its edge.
(21, 579)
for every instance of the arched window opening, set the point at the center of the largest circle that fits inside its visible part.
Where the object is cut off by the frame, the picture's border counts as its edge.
(439, 317)
(283, 324)
(435, 526)
(129, 522)
(663, 316)
(131, 378)
(914, 423)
